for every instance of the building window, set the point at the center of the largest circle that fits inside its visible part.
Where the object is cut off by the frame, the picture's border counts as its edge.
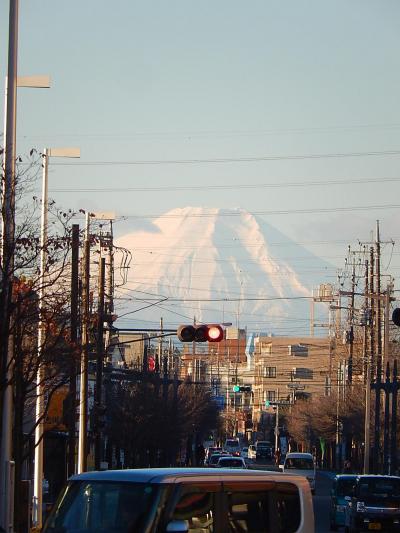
(302, 373)
(266, 348)
(270, 371)
(298, 350)
(269, 395)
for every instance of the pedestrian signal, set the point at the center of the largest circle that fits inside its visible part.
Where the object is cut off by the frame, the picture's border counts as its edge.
(201, 333)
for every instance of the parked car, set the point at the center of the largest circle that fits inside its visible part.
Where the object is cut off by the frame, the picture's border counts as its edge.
(342, 486)
(374, 504)
(182, 499)
(231, 462)
(301, 464)
(232, 446)
(252, 452)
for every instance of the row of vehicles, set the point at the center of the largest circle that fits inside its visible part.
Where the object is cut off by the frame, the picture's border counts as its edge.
(365, 503)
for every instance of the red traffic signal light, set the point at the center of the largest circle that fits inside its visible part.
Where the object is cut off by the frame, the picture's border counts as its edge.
(202, 333)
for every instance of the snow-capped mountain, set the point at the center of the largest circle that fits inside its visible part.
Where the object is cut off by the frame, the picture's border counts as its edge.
(219, 266)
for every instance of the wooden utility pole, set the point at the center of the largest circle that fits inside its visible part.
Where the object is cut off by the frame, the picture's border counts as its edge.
(83, 401)
(98, 403)
(367, 380)
(377, 429)
(73, 339)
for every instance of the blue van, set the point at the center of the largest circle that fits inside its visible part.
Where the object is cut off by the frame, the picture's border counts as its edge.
(342, 486)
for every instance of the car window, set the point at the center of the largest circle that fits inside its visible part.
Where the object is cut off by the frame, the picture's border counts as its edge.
(299, 463)
(101, 506)
(344, 487)
(263, 507)
(230, 462)
(197, 506)
(288, 505)
(376, 489)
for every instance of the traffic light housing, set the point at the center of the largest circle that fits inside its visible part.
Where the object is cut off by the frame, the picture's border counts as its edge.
(242, 388)
(201, 333)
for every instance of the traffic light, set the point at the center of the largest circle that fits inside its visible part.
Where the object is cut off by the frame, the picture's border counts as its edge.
(396, 316)
(201, 333)
(242, 388)
(267, 403)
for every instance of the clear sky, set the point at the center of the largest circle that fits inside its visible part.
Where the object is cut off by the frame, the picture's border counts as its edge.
(193, 81)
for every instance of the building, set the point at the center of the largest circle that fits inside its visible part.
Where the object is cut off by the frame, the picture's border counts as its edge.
(289, 368)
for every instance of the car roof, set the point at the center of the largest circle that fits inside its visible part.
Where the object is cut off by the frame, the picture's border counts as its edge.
(163, 475)
(298, 455)
(376, 476)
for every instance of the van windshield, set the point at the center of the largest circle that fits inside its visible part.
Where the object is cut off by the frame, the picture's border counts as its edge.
(299, 463)
(88, 506)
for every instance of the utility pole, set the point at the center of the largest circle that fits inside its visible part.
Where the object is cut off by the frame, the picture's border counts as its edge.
(377, 428)
(351, 318)
(7, 269)
(277, 425)
(73, 339)
(367, 363)
(98, 403)
(83, 397)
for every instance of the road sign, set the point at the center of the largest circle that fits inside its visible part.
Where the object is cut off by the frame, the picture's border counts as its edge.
(281, 402)
(296, 386)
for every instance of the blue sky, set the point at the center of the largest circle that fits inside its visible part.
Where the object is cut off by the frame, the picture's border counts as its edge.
(185, 80)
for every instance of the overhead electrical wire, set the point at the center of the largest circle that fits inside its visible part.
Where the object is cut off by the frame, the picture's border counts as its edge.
(204, 187)
(222, 213)
(250, 159)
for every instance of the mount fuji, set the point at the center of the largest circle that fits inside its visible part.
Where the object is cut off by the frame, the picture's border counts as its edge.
(218, 265)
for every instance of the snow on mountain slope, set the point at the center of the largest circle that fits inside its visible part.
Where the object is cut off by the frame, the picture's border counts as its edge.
(219, 265)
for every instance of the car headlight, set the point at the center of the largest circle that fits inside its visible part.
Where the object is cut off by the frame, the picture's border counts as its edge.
(360, 507)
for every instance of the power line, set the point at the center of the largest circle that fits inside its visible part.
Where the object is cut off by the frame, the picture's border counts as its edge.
(295, 157)
(222, 213)
(277, 185)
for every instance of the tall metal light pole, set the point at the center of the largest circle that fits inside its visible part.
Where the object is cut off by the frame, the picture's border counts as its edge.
(7, 266)
(38, 473)
(7, 263)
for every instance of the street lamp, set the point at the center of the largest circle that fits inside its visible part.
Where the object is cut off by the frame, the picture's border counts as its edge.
(7, 260)
(38, 473)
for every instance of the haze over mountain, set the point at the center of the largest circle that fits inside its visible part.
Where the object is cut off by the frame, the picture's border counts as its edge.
(219, 266)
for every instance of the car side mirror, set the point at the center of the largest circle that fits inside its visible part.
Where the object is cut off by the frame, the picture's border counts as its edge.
(178, 526)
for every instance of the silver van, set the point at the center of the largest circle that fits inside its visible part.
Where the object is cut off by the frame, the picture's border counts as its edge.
(183, 500)
(301, 464)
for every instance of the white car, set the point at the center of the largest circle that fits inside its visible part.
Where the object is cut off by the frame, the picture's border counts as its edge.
(231, 462)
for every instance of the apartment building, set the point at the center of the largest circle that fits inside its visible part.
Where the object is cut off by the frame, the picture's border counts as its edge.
(289, 368)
